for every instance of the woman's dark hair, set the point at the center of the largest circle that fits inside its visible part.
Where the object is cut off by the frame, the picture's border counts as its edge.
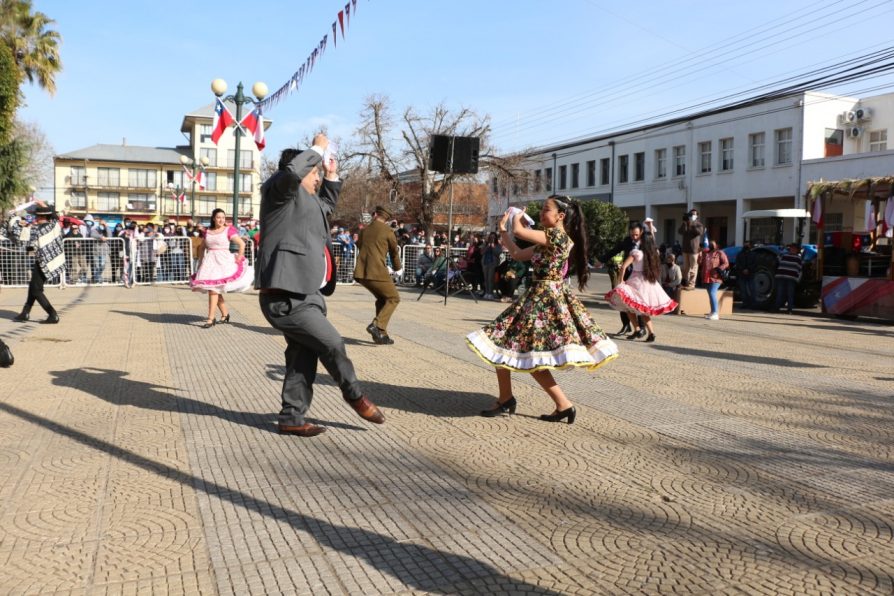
(651, 264)
(576, 228)
(214, 213)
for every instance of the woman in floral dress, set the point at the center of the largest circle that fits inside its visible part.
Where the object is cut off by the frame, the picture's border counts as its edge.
(220, 271)
(547, 327)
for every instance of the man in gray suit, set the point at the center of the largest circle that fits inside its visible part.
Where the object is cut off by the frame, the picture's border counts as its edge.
(294, 265)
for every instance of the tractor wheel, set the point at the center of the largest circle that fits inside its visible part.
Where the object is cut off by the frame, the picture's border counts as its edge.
(764, 279)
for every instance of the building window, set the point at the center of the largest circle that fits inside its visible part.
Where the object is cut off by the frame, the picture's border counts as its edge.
(204, 133)
(108, 177)
(548, 179)
(680, 160)
(575, 175)
(206, 205)
(639, 166)
(605, 171)
(140, 202)
(591, 173)
(210, 181)
(878, 140)
(244, 159)
(538, 182)
(78, 176)
(622, 168)
(563, 177)
(756, 143)
(783, 138)
(834, 145)
(108, 201)
(704, 157)
(78, 199)
(141, 178)
(211, 154)
(726, 155)
(661, 163)
(244, 182)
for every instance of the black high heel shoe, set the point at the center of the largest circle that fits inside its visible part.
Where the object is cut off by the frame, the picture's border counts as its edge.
(638, 334)
(570, 414)
(225, 319)
(507, 407)
(209, 324)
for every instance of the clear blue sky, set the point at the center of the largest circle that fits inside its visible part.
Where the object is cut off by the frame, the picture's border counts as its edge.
(544, 71)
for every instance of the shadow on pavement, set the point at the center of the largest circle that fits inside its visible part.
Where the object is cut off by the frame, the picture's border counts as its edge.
(770, 360)
(113, 387)
(382, 552)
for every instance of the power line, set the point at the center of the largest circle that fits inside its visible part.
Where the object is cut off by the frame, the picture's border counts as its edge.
(663, 68)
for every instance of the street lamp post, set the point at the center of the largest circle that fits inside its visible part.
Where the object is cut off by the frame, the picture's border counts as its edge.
(219, 87)
(202, 164)
(176, 190)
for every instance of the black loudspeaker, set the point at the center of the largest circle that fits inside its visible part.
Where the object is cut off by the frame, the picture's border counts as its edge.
(465, 154)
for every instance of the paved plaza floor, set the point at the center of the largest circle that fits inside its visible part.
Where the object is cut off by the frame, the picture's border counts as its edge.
(138, 455)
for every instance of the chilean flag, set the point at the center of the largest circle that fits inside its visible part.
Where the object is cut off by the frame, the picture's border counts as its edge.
(255, 123)
(818, 211)
(200, 179)
(222, 119)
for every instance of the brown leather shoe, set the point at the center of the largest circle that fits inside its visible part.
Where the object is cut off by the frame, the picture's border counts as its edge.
(367, 410)
(305, 430)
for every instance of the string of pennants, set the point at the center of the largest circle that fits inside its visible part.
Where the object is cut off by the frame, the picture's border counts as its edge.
(254, 121)
(341, 22)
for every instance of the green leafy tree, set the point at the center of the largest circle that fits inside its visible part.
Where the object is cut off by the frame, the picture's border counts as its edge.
(12, 153)
(606, 224)
(34, 47)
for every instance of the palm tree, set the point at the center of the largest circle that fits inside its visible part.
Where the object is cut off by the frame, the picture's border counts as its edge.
(35, 48)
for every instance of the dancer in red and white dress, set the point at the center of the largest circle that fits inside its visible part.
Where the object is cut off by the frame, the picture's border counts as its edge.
(641, 293)
(220, 271)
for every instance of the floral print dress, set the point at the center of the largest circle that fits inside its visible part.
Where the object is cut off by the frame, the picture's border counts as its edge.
(547, 327)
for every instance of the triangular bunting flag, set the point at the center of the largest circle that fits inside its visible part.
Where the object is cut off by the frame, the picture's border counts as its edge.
(348, 13)
(341, 22)
(334, 35)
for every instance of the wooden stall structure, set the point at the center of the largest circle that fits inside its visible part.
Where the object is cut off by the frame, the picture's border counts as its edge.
(857, 268)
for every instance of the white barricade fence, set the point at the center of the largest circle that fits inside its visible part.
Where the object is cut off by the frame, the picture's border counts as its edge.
(345, 256)
(94, 261)
(161, 260)
(15, 264)
(409, 258)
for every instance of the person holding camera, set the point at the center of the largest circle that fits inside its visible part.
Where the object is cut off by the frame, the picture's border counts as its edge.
(691, 230)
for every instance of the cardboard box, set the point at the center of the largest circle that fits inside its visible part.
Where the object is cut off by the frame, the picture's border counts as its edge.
(695, 302)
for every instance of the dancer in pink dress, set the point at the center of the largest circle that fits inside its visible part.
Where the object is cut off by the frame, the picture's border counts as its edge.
(219, 270)
(641, 293)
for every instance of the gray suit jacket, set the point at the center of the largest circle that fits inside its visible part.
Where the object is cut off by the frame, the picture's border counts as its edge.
(294, 228)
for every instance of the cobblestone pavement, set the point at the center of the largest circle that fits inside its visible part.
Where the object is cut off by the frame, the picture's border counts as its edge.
(138, 454)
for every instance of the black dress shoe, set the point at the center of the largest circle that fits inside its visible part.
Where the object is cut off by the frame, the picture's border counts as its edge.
(639, 334)
(22, 317)
(382, 339)
(507, 407)
(371, 329)
(570, 414)
(6, 357)
(624, 330)
(51, 320)
(304, 430)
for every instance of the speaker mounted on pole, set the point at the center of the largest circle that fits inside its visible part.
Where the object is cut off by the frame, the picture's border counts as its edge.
(454, 155)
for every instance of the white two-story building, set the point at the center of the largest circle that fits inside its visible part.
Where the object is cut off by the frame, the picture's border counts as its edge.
(723, 162)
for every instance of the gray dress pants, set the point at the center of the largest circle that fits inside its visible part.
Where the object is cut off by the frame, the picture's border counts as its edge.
(310, 338)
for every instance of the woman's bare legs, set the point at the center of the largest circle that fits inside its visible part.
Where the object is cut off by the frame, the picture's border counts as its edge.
(504, 381)
(212, 306)
(546, 380)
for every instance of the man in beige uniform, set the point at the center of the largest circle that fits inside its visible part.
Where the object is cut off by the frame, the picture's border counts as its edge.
(376, 241)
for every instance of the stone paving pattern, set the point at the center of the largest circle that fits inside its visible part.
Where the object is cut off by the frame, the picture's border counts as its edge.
(138, 454)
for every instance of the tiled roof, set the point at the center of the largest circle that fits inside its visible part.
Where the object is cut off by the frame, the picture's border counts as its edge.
(129, 153)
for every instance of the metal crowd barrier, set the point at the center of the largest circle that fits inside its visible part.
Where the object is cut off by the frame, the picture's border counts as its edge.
(93, 261)
(15, 264)
(165, 260)
(410, 259)
(345, 256)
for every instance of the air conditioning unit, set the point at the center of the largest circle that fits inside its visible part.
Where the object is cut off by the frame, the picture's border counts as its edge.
(863, 114)
(854, 132)
(850, 116)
